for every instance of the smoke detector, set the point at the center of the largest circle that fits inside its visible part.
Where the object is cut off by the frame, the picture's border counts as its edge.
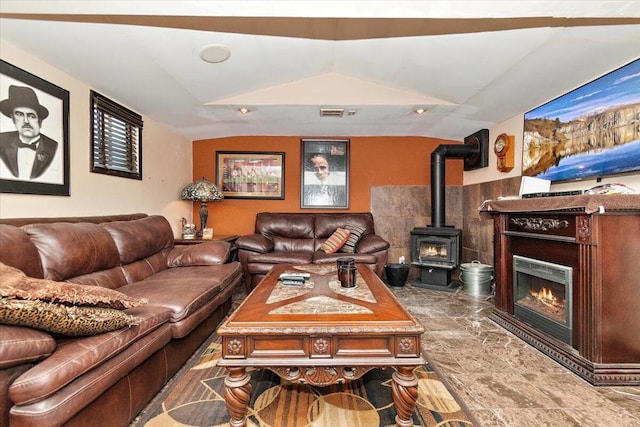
(215, 53)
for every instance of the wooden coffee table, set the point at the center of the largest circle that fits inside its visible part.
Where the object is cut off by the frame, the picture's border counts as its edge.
(320, 334)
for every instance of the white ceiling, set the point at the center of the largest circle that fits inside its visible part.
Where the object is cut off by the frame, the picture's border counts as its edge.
(471, 64)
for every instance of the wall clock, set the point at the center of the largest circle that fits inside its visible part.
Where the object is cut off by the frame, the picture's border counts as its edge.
(504, 149)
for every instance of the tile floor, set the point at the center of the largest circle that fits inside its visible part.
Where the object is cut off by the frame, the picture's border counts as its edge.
(503, 380)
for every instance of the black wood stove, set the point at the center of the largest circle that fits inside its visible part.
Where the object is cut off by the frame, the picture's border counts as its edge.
(437, 252)
(437, 248)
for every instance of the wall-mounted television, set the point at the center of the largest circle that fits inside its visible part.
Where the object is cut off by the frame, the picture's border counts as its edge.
(591, 132)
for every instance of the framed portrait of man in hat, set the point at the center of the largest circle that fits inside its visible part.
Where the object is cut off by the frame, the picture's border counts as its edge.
(34, 134)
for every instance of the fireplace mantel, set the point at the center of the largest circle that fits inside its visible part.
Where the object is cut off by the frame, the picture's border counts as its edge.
(583, 203)
(599, 238)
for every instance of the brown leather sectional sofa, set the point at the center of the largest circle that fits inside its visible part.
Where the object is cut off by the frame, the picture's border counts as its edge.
(106, 379)
(297, 237)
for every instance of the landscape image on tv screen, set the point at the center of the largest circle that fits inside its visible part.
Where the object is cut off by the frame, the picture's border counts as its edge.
(592, 131)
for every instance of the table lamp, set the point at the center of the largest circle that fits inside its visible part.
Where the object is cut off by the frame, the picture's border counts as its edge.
(202, 191)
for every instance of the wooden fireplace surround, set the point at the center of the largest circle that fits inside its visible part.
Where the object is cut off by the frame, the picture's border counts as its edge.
(599, 237)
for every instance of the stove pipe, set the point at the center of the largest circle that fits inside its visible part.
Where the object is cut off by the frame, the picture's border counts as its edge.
(438, 157)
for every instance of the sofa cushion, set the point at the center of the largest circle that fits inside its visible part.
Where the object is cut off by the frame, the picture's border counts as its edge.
(287, 244)
(68, 250)
(323, 258)
(335, 241)
(63, 319)
(208, 253)
(112, 278)
(15, 284)
(288, 231)
(184, 290)
(20, 252)
(326, 223)
(281, 257)
(140, 238)
(182, 328)
(289, 225)
(355, 234)
(143, 268)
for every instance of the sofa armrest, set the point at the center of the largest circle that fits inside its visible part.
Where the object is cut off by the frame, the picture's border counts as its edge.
(19, 345)
(371, 243)
(208, 253)
(255, 243)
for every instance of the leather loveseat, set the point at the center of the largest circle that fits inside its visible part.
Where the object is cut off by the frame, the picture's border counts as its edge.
(297, 238)
(107, 378)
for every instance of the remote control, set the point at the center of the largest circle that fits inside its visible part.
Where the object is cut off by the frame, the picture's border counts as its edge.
(295, 276)
(292, 282)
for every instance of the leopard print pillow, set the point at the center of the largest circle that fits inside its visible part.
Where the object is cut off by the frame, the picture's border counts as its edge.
(62, 319)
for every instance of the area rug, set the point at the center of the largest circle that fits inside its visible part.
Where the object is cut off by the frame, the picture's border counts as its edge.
(195, 397)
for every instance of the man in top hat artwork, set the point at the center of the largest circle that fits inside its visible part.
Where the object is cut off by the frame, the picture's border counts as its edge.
(25, 152)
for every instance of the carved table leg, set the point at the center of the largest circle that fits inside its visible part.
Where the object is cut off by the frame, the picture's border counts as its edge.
(237, 393)
(405, 394)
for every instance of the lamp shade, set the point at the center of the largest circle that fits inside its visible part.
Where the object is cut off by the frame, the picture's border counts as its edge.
(202, 191)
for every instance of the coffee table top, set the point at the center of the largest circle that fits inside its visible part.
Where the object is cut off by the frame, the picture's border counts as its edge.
(321, 305)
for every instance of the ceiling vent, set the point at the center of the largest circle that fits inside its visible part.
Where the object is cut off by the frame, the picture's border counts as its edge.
(331, 112)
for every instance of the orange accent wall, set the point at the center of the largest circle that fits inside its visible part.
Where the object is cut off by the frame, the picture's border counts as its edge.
(373, 161)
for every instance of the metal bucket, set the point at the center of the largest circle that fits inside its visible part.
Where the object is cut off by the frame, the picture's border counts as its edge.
(476, 278)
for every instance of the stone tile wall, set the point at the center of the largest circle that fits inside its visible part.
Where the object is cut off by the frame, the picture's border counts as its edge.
(477, 235)
(398, 209)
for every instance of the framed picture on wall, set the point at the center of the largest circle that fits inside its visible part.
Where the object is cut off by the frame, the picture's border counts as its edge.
(325, 174)
(250, 174)
(34, 134)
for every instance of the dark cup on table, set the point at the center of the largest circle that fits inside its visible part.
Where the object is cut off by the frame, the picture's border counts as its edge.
(346, 272)
(345, 261)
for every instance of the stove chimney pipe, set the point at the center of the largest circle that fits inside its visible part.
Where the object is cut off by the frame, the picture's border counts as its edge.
(438, 157)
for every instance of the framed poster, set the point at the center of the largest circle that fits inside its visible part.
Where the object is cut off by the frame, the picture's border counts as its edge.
(34, 134)
(250, 175)
(325, 174)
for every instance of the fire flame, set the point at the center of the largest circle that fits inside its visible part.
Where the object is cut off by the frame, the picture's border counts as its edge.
(433, 251)
(546, 302)
(544, 294)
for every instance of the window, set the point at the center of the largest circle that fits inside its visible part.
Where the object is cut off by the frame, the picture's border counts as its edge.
(116, 139)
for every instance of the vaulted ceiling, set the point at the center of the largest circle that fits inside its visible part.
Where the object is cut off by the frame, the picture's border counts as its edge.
(468, 64)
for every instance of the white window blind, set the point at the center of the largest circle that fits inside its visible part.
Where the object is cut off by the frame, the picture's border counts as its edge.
(116, 138)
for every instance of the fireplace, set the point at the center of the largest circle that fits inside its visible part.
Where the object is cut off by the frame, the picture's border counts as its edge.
(436, 250)
(542, 296)
(586, 259)
(435, 247)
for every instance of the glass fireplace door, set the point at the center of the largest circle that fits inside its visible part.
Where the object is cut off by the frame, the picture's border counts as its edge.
(542, 296)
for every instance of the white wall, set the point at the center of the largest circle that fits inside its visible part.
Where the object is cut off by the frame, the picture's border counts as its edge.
(515, 126)
(166, 163)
